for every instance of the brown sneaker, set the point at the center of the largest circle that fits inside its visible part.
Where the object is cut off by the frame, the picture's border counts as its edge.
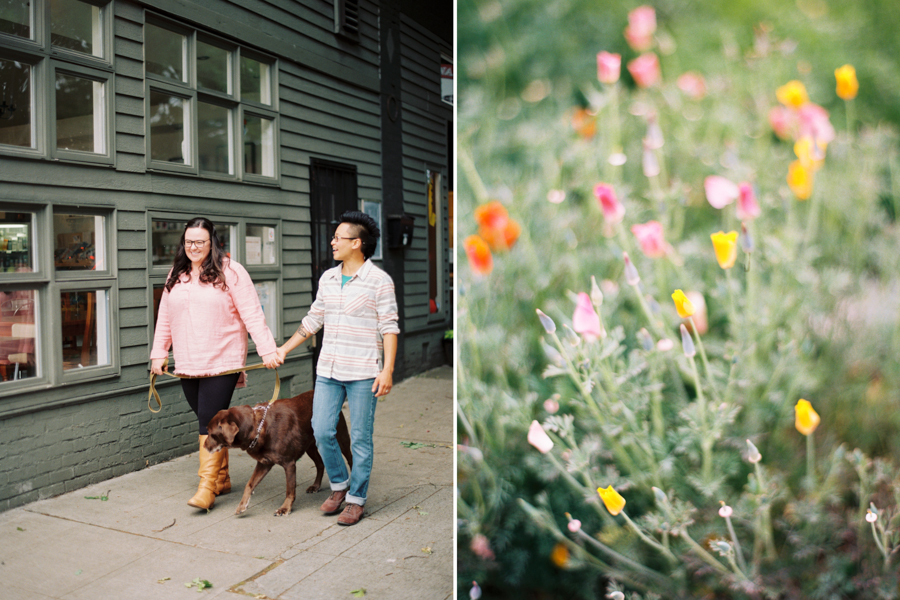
(333, 504)
(351, 515)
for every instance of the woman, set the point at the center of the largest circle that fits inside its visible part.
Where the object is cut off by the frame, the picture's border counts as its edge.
(208, 306)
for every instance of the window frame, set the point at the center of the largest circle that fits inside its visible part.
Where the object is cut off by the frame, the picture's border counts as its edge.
(108, 156)
(191, 90)
(48, 284)
(44, 58)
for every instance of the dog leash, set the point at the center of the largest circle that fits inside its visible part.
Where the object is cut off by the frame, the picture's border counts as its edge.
(154, 395)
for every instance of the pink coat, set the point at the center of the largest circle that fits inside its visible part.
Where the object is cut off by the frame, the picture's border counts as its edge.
(207, 327)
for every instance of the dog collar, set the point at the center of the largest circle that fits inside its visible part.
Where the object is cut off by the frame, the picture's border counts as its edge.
(259, 428)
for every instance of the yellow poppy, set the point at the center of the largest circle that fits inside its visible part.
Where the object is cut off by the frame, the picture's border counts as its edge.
(807, 419)
(800, 180)
(725, 245)
(847, 85)
(612, 499)
(810, 153)
(683, 305)
(792, 94)
(560, 556)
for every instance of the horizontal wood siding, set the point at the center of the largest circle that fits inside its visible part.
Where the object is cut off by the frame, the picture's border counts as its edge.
(425, 118)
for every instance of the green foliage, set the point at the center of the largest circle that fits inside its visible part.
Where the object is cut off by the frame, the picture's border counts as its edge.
(811, 313)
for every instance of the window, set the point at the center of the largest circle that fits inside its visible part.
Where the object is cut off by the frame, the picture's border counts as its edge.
(56, 80)
(434, 235)
(57, 313)
(255, 245)
(211, 105)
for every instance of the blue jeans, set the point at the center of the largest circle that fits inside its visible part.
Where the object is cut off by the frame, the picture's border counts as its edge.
(329, 398)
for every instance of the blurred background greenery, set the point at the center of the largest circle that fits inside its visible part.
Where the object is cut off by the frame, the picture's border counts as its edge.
(523, 67)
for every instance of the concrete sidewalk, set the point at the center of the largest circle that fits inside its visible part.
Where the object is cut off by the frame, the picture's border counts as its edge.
(146, 542)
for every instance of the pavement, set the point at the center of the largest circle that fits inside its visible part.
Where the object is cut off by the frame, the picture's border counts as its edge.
(145, 542)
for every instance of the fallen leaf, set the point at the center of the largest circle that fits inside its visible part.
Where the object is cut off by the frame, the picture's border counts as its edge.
(20, 529)
(427, 550)
(78, 572)
(163, 579)
(359, 593)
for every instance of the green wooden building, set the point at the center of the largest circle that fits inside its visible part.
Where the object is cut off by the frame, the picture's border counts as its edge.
(120, 120)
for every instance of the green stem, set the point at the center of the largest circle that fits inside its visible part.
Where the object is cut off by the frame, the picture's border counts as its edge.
(579, 488)
(811, 460)
(731, 306)
(636, 566)
(702, 349)
(468, 166)
(650, 542)
(767, 535)
(880, 545)
(705, 442)
(737, 546)
(703, 554)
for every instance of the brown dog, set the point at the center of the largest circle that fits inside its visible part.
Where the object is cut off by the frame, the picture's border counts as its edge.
(286, 434)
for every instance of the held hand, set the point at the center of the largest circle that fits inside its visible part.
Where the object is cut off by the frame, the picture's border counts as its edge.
(272, 360)
(282, 354)
(383, 384)
(156, 365)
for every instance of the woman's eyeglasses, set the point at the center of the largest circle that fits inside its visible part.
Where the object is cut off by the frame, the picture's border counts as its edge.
(195, 243)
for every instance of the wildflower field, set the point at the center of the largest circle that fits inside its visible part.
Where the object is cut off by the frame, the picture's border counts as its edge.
(679, 300)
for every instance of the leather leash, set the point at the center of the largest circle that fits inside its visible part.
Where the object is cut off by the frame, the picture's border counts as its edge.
(153, 394)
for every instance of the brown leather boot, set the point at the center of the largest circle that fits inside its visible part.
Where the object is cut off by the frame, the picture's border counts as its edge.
(223, 481)
(333, 504)
(210, 465)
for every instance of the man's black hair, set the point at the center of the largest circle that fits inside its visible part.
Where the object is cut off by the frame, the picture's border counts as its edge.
(366, 230)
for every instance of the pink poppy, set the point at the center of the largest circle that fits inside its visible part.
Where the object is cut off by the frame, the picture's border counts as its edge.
(613, 211)
(693, 85)
(650, 237)
(538, 438)
(815, 124)
(720, 191)
(586, 321)
(645, 70)
(481, 547)
(747, 207)
(609, 66)
(641, 27)
(783, 121)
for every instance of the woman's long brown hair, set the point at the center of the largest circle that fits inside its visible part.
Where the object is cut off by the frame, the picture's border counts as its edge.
(211, 271)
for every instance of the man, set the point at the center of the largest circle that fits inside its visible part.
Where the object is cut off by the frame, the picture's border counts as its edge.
(356, 305)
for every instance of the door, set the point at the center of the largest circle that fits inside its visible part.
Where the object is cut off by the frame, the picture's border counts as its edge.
(332, 192)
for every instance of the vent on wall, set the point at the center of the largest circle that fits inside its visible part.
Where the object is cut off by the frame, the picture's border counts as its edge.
(346, 19)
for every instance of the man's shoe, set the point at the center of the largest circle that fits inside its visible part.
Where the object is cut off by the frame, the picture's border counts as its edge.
(333, 504)
(351, 515)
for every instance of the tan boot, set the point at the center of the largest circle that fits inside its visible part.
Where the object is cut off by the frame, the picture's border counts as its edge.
(223, 481)
(210, 464)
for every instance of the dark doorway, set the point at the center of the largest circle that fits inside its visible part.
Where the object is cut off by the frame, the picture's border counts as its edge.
(332, 191)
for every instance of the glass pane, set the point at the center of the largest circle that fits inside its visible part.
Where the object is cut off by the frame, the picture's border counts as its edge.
(85, 328)
(79, 114)
(80, 243)
(255, 85)
(215, 145)
(166, 236)
(167, 136)
(15, 242)
(15, 17)
(266, 290)
(259, 146)
(18, 331)
(164, 52)
(260, 245)
(15, 103)
(75, 26)
(213, 67)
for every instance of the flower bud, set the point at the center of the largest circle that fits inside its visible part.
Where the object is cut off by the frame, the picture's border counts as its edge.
(547, 322)
(687, 343)
(746, 240)
(616, 596)
(726, 511)
(660, 495)
(753, 454)
(475, 592)
(649, 161)
(574, 525)
(645, 339)
(871, 517)
(631, 273)
(596, 294)
(551, 405)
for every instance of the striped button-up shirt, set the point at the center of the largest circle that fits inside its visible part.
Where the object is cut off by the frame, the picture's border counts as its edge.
(356, 317)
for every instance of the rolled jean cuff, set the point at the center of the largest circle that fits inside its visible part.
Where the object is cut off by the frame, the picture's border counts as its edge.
(339, 487)
(351, 499)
